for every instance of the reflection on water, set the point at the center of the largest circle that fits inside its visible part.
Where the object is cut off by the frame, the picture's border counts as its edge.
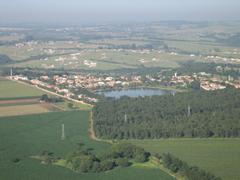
(135, 92)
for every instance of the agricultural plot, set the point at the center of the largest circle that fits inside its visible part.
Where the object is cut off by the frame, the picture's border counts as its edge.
(18, 110)
(110, 49)
(10, 89)
(19, 102)
(25, 136)
(218, 156)
(109, 60)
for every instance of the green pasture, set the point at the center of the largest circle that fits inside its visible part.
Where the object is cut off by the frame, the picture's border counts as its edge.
(25, 136)
(10, 89)
(218, 156)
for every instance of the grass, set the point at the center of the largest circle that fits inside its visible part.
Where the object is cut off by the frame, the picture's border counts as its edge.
(11, 89)
(25, 136)
(78, 106)
(218, 156)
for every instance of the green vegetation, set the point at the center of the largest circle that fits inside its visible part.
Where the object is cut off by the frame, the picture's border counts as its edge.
(82, 160)
(74, 106)
(48, 99)
(217, 156)
(178, 166)
(4, 59)
(26, 136)
(10, 89)
(188, 114)
(167, 45)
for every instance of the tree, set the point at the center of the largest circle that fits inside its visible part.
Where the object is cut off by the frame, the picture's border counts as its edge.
(195, 85)
(70, 105)
(107, 165)
(122, 162)
(45, 98)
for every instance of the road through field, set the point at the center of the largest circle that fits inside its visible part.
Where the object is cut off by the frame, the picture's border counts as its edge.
(53, 93)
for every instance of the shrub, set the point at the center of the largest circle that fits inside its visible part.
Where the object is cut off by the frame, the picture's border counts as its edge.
(122, 162)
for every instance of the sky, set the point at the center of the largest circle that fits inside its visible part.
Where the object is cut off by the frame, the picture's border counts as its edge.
(107, 11)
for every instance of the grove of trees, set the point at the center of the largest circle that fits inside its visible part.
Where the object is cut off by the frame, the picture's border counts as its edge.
(84, 160)
(188, 114)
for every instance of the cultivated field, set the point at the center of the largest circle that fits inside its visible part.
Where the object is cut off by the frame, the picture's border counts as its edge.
(166, 45)
(17, 110)
(25, 136)
(24, 101)
(11, 90)
(219, 156)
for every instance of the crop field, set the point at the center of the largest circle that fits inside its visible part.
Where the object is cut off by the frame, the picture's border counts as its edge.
(219, 156)
(83, 49)
(10, 89)
(109, 59)
(25, 136)
(19, 102)
(17, 110)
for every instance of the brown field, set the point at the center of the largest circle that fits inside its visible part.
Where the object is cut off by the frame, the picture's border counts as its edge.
(18, 101)
(17, 110)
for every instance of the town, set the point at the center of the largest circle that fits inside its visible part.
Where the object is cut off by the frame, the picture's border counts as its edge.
(85, 87)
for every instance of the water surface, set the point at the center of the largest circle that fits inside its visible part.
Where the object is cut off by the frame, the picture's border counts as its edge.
(135, 92)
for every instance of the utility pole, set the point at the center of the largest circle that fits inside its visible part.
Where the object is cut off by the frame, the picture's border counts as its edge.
(189, 110)
(125, 118)
(11, 72)
(63, 132)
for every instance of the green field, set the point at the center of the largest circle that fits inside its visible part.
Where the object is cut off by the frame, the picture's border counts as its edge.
(65, 106)
(25, 136)
(218, 156)
(10, 89)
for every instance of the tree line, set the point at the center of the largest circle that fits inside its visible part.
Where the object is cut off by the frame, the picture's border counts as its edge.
(119, 155)
(183, 169)
(189, 114)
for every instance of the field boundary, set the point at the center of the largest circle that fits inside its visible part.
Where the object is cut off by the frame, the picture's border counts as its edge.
(50, 92)
(92, 133)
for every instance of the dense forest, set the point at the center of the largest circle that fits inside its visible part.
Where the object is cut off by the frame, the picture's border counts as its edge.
(188, 114)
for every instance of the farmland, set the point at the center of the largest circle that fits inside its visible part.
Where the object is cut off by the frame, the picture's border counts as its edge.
(25, 136)
(218, 156)
(70, 64)
(17, 110)
(159, 45)
(10, 89)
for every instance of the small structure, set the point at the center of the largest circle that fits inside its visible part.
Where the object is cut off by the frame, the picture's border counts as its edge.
(63, 132)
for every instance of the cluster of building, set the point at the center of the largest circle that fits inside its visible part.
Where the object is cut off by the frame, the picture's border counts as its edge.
(206, 81)
(182, 80)
(68, 85)
(211, 86)
(71, 86)
(96, 82)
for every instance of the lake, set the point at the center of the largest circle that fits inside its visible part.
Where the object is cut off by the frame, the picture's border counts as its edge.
(135, 92)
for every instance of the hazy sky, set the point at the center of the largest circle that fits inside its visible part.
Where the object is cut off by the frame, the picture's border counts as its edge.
(103, 11)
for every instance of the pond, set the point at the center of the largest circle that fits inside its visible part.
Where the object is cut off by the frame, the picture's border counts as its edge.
(135, 92)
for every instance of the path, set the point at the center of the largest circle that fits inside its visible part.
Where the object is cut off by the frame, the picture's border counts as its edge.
(50, 92)
(92, 132)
